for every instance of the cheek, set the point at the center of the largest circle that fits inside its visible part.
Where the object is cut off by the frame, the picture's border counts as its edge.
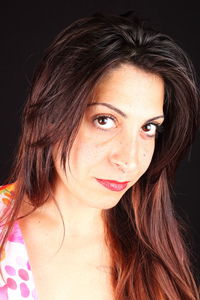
(84, 154)
(146, 157)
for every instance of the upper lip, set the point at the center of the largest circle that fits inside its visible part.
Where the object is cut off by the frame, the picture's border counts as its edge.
(113, 181)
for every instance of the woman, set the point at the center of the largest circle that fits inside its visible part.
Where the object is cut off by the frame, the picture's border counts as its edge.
(112, 109)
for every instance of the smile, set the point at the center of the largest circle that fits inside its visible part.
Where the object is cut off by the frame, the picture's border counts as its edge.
(113, 185)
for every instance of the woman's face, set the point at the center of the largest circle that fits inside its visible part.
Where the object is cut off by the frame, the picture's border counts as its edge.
(116, 138)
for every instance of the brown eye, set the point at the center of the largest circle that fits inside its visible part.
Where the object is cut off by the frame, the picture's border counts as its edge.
(147, 127)
(104, 122)
(150, 129)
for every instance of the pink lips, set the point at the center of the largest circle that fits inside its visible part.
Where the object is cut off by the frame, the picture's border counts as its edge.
(113, 185)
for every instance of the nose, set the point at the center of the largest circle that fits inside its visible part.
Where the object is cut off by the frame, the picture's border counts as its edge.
(125, 152)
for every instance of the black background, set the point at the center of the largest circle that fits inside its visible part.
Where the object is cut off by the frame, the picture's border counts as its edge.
(28, 28)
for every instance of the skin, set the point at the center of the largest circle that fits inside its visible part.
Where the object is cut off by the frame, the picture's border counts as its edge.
(121, 152)
(119, 149)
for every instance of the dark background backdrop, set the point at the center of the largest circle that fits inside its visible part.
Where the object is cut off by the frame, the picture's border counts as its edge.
(28, 28)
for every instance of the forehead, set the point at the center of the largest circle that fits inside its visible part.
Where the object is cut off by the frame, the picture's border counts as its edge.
(130, 88)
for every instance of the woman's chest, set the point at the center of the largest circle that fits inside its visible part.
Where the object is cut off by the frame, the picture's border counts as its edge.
(79, 269)
(72, 280)
(74, 268)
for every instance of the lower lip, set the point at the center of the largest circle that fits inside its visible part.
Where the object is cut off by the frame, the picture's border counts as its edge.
(113, 186)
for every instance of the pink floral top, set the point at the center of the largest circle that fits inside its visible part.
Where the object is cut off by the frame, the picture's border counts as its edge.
(19, 283)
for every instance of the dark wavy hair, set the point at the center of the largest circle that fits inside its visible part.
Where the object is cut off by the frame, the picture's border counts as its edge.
(150, 259)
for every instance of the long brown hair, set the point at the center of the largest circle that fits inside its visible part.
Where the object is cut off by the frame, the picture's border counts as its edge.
(146, 241)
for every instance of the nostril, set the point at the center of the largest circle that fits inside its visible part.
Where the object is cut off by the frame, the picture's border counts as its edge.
(122, 166)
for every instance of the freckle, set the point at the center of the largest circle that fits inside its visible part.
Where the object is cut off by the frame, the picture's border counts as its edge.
(144, 154)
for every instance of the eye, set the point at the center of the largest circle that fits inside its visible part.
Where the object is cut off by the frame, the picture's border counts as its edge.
(150, 129)
(104, 122)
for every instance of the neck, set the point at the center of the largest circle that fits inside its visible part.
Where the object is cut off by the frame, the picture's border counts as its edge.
(80, 220)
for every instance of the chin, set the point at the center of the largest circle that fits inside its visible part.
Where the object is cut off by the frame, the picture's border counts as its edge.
(108, 203)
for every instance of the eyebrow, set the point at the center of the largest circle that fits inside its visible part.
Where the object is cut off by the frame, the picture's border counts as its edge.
(119, 111)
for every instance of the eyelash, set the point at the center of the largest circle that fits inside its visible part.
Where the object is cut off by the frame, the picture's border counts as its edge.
(97, 117)
(159, 128)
